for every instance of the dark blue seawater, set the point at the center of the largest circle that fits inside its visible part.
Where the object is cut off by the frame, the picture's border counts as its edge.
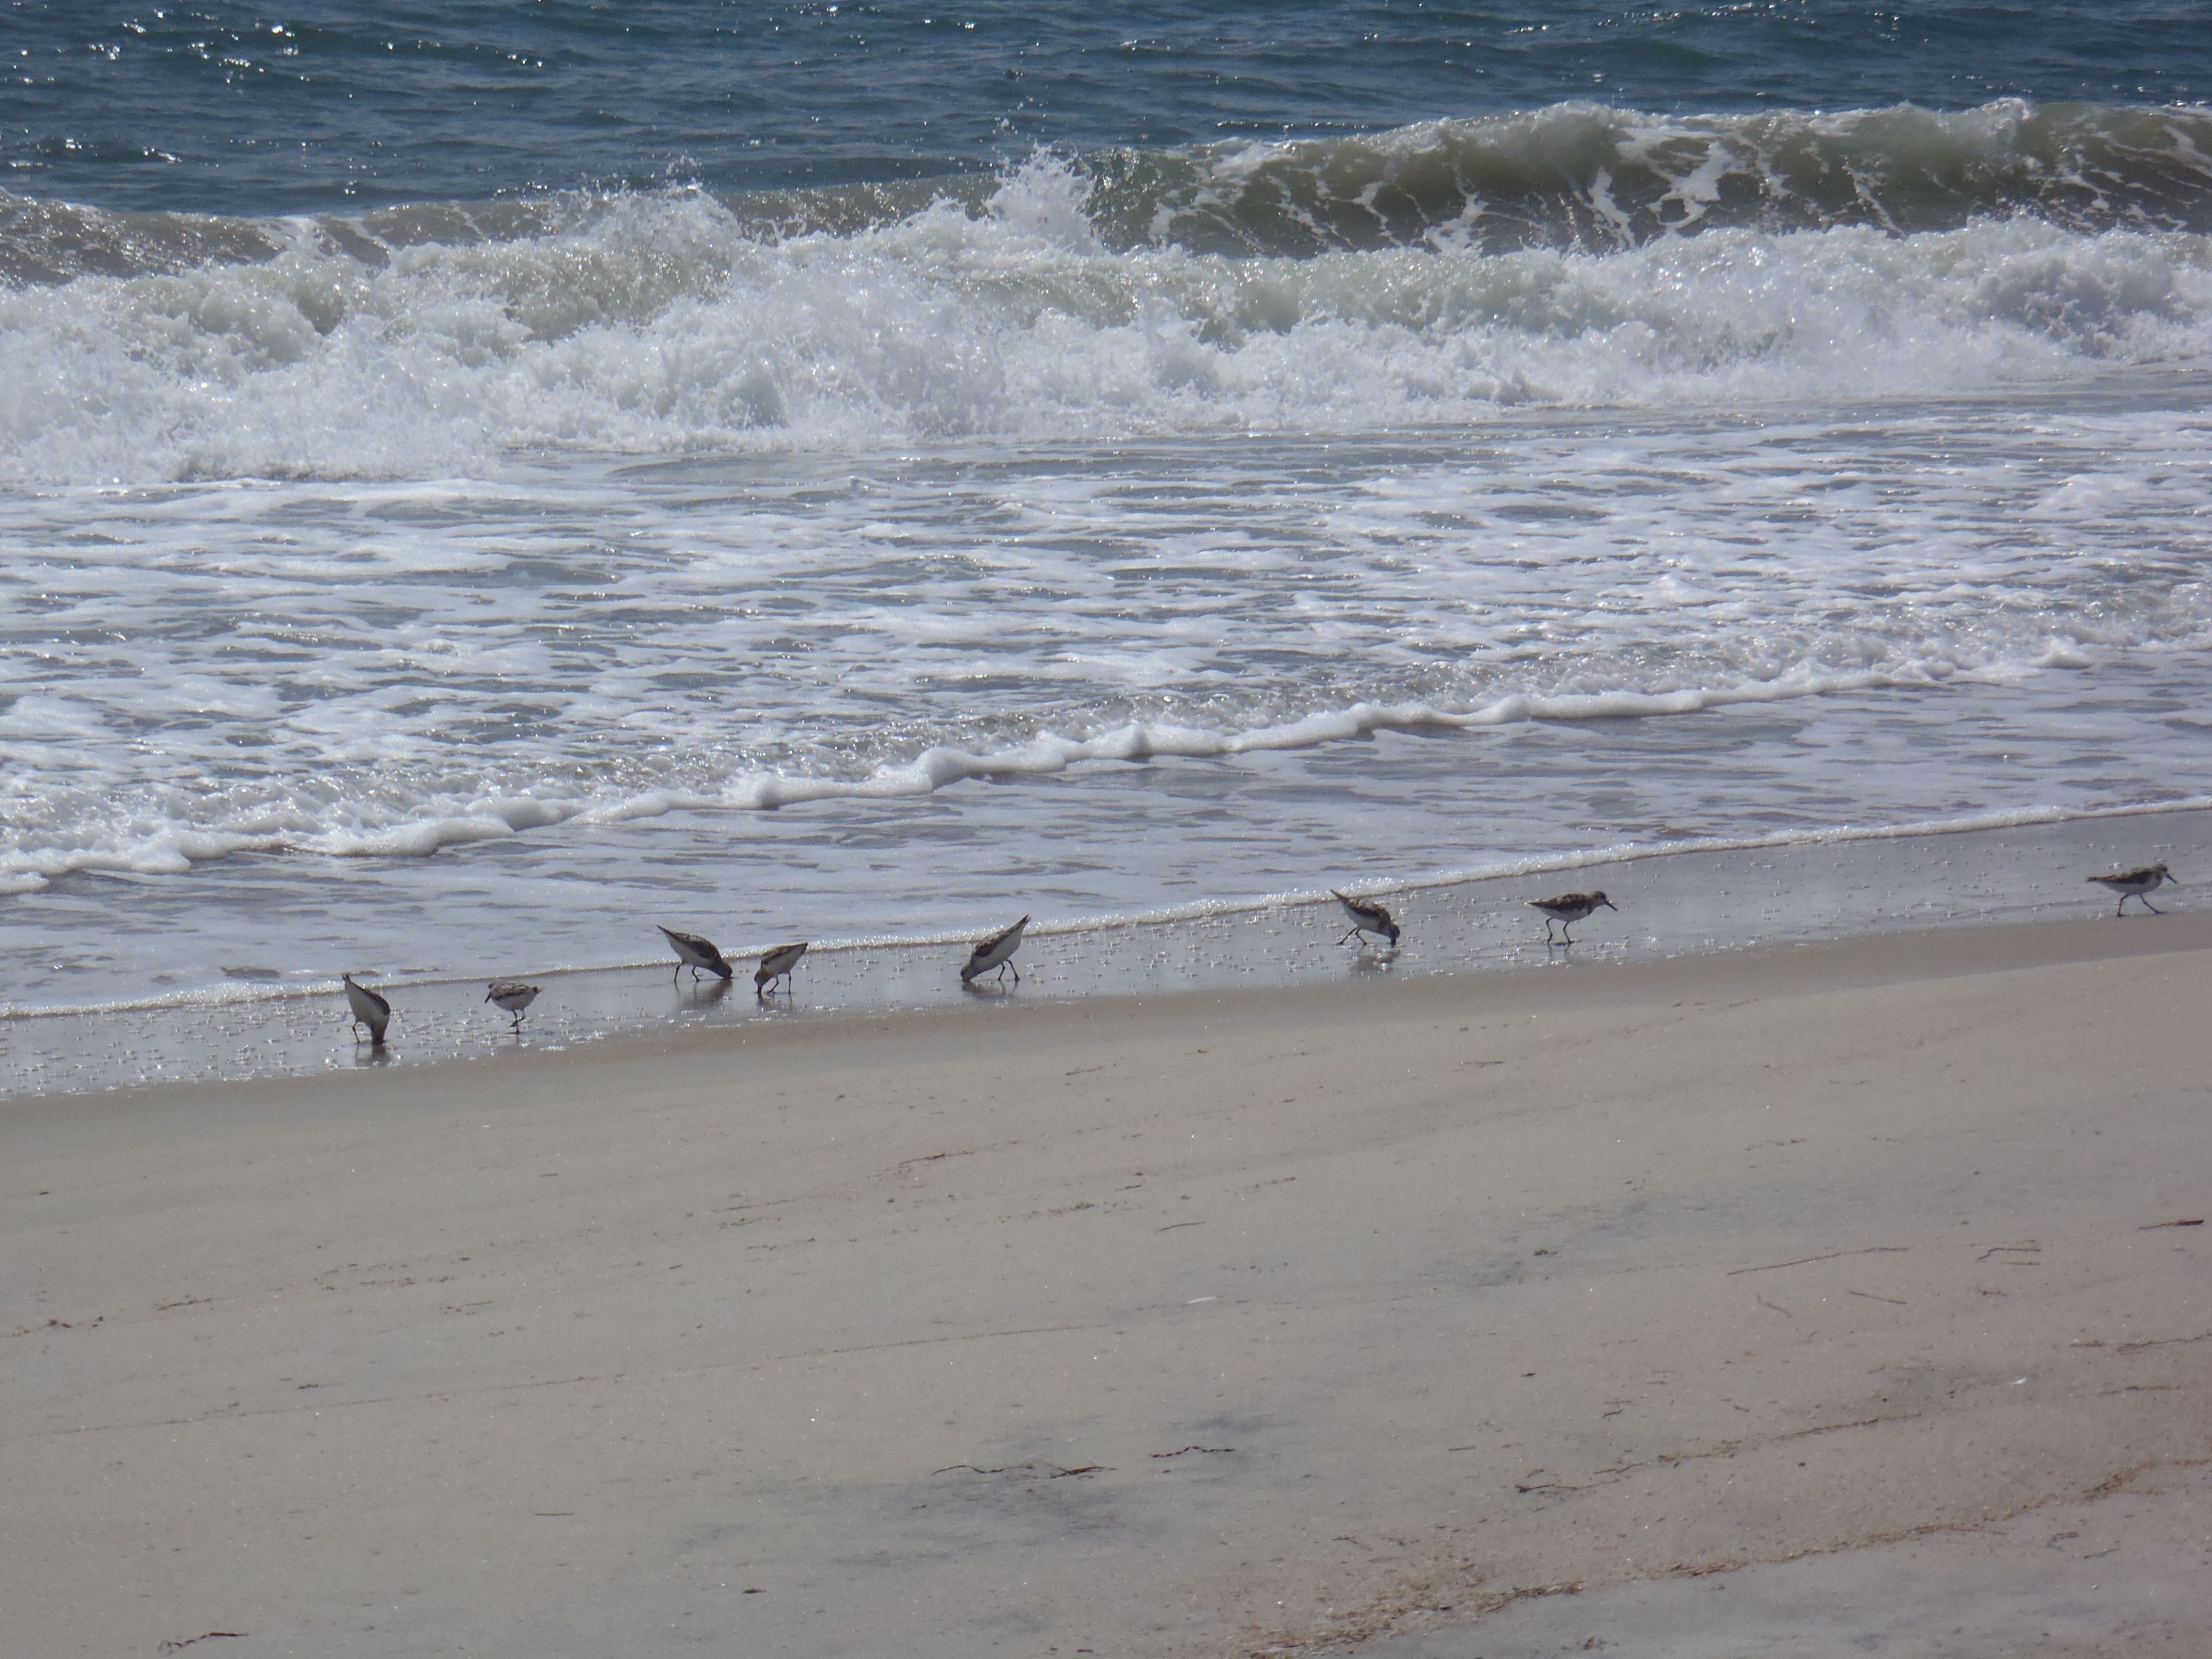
(256, 110)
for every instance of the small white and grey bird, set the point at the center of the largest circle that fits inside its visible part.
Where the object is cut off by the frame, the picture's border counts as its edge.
(513, 996)
(370, 1009)
(996, 951)
(2135, 885)
(775, 965)
(1367, 917)
(1567, 909)
(696, 953)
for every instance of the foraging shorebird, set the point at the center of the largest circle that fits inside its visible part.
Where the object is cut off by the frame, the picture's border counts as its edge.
(1567, 909)
(1367, 917)
(2135, 884)
(370, 1009)
(775, 965)
(513, 996)
(695, 953)
(996, 951)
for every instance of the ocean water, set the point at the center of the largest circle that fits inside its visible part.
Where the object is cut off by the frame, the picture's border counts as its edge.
(475, 482)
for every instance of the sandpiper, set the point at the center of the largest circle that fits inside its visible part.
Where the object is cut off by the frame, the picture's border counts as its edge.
(775, 965)
(995, 952)
(513, 996)
(370, 1009)
(1567, 909)
(2135, 884)
(695, 953)
(1367, 917)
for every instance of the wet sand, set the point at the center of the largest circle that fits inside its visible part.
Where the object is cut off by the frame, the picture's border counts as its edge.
(1386, 1313)
(1691, 900)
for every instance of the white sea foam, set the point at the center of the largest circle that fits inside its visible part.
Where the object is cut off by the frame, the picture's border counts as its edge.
(417, 827)
(660, 325)
(377, 671)
(1260, 569)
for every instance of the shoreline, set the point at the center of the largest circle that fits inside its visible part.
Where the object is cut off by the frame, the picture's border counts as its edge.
(1532, 867)
(1678, 904)
(1810, 966)
(1324, 1313)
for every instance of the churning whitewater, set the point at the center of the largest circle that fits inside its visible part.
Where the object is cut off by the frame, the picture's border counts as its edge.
(1114, 515)
(671, 323)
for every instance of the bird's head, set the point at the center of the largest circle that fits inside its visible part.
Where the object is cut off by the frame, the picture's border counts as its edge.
(1600, 898)
(720, 967)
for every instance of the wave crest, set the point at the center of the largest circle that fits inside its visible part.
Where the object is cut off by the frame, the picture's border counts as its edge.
(1574, 177)
(1588, 177)
(665, 324)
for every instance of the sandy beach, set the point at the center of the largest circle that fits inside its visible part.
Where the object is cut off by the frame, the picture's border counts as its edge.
(1442, 1318)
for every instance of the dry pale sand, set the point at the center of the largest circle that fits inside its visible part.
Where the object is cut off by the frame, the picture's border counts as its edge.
(1450, 1314)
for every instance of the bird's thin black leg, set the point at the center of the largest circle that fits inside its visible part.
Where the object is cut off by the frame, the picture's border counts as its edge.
(2153, 908)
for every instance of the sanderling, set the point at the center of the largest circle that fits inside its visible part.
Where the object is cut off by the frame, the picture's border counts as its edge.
(1568, 908)
(1367, 917)
(777, 965)
(2135, 884)
(695, 953)
(513, 996)
(995, 952)
(370, 1009)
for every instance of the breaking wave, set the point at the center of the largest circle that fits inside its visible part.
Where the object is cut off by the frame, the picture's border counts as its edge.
(660, 324)
(1586, 178)
(1572, 178)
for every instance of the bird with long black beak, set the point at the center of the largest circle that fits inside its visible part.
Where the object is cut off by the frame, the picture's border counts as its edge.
(696, 954)
(775, 965)
(1367, 917)
(369, 1008)
(2135, 885)
(995, 952)
(1567, 909)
